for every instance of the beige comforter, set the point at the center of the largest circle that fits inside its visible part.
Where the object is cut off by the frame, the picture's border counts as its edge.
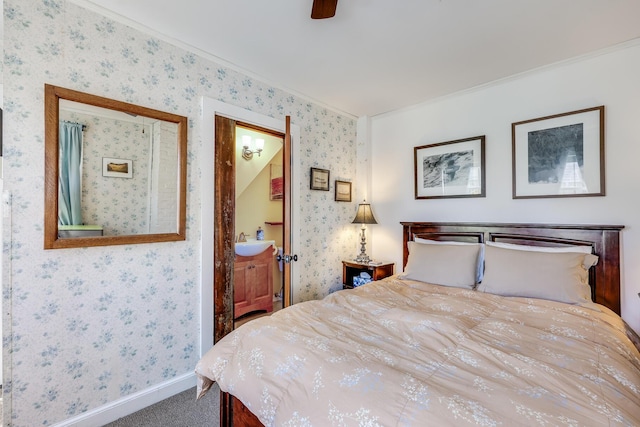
(405, 353)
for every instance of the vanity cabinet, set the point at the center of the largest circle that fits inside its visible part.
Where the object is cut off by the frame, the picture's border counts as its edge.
(253, 283)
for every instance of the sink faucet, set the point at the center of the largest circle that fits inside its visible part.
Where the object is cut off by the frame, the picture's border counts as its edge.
(242, 238)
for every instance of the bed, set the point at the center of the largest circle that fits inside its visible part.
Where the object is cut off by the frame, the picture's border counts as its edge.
(427, 347)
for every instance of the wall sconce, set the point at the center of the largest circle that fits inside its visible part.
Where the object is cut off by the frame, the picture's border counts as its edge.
(248, 148)
(364, 215)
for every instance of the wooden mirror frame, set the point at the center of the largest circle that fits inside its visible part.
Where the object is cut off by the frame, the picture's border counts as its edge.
(52, 97)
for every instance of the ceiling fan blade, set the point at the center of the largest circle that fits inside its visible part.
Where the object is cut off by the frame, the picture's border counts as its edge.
(323, 9)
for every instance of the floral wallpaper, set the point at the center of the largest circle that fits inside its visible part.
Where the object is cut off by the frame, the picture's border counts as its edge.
(88, 326)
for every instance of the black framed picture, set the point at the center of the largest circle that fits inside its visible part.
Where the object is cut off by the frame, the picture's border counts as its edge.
(559, 156)
(319, 179)
(343, 191)
(450, 169)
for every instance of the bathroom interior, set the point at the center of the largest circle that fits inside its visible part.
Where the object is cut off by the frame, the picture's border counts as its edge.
(258, 277)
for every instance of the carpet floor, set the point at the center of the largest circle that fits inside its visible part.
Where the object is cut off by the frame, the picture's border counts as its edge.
(181, 410)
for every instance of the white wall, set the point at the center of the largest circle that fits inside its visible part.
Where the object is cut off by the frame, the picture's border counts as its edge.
(609, 79)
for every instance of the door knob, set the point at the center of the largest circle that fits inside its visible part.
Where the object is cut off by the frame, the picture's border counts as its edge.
(287, 258)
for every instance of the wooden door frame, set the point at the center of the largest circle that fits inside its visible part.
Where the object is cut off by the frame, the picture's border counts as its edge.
(211, 107)
(225, 162)
(223, 223)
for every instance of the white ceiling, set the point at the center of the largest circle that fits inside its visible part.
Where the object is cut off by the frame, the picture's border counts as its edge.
(376, 56)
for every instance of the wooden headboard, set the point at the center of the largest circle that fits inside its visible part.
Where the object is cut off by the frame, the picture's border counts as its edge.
(604, 240)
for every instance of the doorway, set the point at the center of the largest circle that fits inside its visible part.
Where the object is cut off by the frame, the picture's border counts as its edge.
(259, 221)
(213, 286)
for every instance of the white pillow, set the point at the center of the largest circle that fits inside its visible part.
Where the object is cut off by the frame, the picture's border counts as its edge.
(442, 264)
(479, 262)
(557, 276)
(559, 249)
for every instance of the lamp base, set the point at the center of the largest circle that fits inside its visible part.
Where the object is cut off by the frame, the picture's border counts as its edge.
(363, 259)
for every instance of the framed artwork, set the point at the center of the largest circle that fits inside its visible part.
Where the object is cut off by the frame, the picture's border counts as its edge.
(450, 169)
(559, 156)
(343, 191)
(319, 179)
(117, 168)
(276, 183)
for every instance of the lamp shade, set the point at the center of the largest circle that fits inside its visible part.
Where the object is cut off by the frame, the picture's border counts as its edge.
(364, 215)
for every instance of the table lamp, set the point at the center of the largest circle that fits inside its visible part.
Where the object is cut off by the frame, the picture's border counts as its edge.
(364, 216)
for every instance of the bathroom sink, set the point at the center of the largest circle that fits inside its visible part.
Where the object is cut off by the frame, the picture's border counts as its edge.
(253, 247)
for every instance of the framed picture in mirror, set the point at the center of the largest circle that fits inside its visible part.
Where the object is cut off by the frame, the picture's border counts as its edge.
(117, 168)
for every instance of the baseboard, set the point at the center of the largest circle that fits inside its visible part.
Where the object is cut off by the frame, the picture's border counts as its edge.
(132, 403)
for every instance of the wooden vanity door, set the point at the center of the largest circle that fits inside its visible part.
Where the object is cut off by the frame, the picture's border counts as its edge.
(262, 283)
(241, 298)
(253, 283)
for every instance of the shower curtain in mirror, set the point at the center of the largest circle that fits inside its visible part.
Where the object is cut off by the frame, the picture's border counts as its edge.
(70, 177)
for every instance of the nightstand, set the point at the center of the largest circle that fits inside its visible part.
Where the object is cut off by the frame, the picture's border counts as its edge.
(350, 269)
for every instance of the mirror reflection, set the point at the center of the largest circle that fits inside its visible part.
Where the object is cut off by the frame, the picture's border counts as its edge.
(118, 171)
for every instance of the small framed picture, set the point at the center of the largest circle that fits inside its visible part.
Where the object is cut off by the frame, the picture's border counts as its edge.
(559, 156)
(117, 168)
(319, 179)
(276, 187)
(343, 191)
(450, 169)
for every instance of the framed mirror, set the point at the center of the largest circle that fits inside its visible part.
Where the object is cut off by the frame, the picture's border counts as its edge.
(115, 173)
